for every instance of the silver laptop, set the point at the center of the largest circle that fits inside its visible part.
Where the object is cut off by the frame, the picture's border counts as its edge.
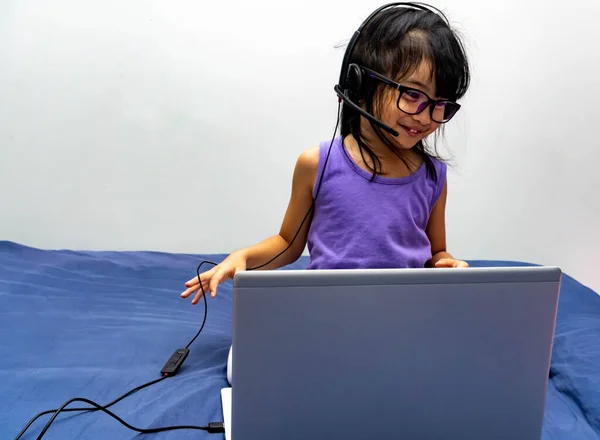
(395, 353)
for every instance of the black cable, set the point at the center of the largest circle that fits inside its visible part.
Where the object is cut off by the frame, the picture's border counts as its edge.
(117, 400)
(205, 302)
(136, 389)
(312, 206)
(212, 427)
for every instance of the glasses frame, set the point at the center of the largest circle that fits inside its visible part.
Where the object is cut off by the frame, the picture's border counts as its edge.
(430, 103)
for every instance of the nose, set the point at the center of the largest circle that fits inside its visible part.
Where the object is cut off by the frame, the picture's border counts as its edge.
(424, 118)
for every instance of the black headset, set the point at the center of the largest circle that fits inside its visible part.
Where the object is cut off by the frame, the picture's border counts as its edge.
(350, 76)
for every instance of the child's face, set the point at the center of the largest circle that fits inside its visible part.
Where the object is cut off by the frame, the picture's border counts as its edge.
(411, 128)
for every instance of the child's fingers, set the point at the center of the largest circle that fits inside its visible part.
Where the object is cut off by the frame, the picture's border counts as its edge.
(445, 262)
(449, 262)
(203, 276)
(210, 281)
(192, 282)
(190, 290)
(216, 279)
(197, 297)
(200, 293)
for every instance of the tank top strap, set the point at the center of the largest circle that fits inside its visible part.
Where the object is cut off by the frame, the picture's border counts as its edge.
(441, 170)
(329, 156)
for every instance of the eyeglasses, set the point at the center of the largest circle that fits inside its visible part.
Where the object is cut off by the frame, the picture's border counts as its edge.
(412, 101)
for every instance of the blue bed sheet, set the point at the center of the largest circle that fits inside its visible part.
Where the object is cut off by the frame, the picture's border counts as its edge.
(95, 324)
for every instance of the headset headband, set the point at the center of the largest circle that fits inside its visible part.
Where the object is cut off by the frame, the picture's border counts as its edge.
(354, 39)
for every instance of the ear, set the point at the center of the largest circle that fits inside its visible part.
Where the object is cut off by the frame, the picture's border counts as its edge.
(354, 81)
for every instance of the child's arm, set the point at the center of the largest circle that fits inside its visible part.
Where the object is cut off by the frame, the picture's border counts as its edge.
(300, 202)
(436, 231)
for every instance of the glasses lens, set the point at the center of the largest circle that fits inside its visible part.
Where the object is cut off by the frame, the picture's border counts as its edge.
(444, 111)
(413, 101)
(449, 110)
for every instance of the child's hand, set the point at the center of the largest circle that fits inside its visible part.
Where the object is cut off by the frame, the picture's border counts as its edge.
(451, 262)
(215, 276)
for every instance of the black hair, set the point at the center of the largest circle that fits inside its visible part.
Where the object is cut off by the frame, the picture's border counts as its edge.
(395, 43)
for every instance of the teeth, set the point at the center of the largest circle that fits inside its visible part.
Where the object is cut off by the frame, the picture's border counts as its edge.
(411, 130)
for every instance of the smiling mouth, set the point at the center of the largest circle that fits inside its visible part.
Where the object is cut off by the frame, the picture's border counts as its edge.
(411, 131)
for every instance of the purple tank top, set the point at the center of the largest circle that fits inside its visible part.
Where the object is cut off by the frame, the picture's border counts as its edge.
(363, 224)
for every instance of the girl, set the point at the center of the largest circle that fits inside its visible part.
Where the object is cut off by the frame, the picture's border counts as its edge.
(372, 199)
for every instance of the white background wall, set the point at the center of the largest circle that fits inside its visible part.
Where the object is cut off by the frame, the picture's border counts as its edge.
(175, 125)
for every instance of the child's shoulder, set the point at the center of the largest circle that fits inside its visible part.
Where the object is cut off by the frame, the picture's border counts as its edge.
(309, 159)
(440, 167)
(306, 169)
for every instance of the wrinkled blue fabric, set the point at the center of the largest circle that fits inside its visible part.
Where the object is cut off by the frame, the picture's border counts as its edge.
(96, 324)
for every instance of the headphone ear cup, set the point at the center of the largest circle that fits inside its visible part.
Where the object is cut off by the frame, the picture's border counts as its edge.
(354, 81)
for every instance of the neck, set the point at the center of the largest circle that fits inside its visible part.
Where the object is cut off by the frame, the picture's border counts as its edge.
(391, 158)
